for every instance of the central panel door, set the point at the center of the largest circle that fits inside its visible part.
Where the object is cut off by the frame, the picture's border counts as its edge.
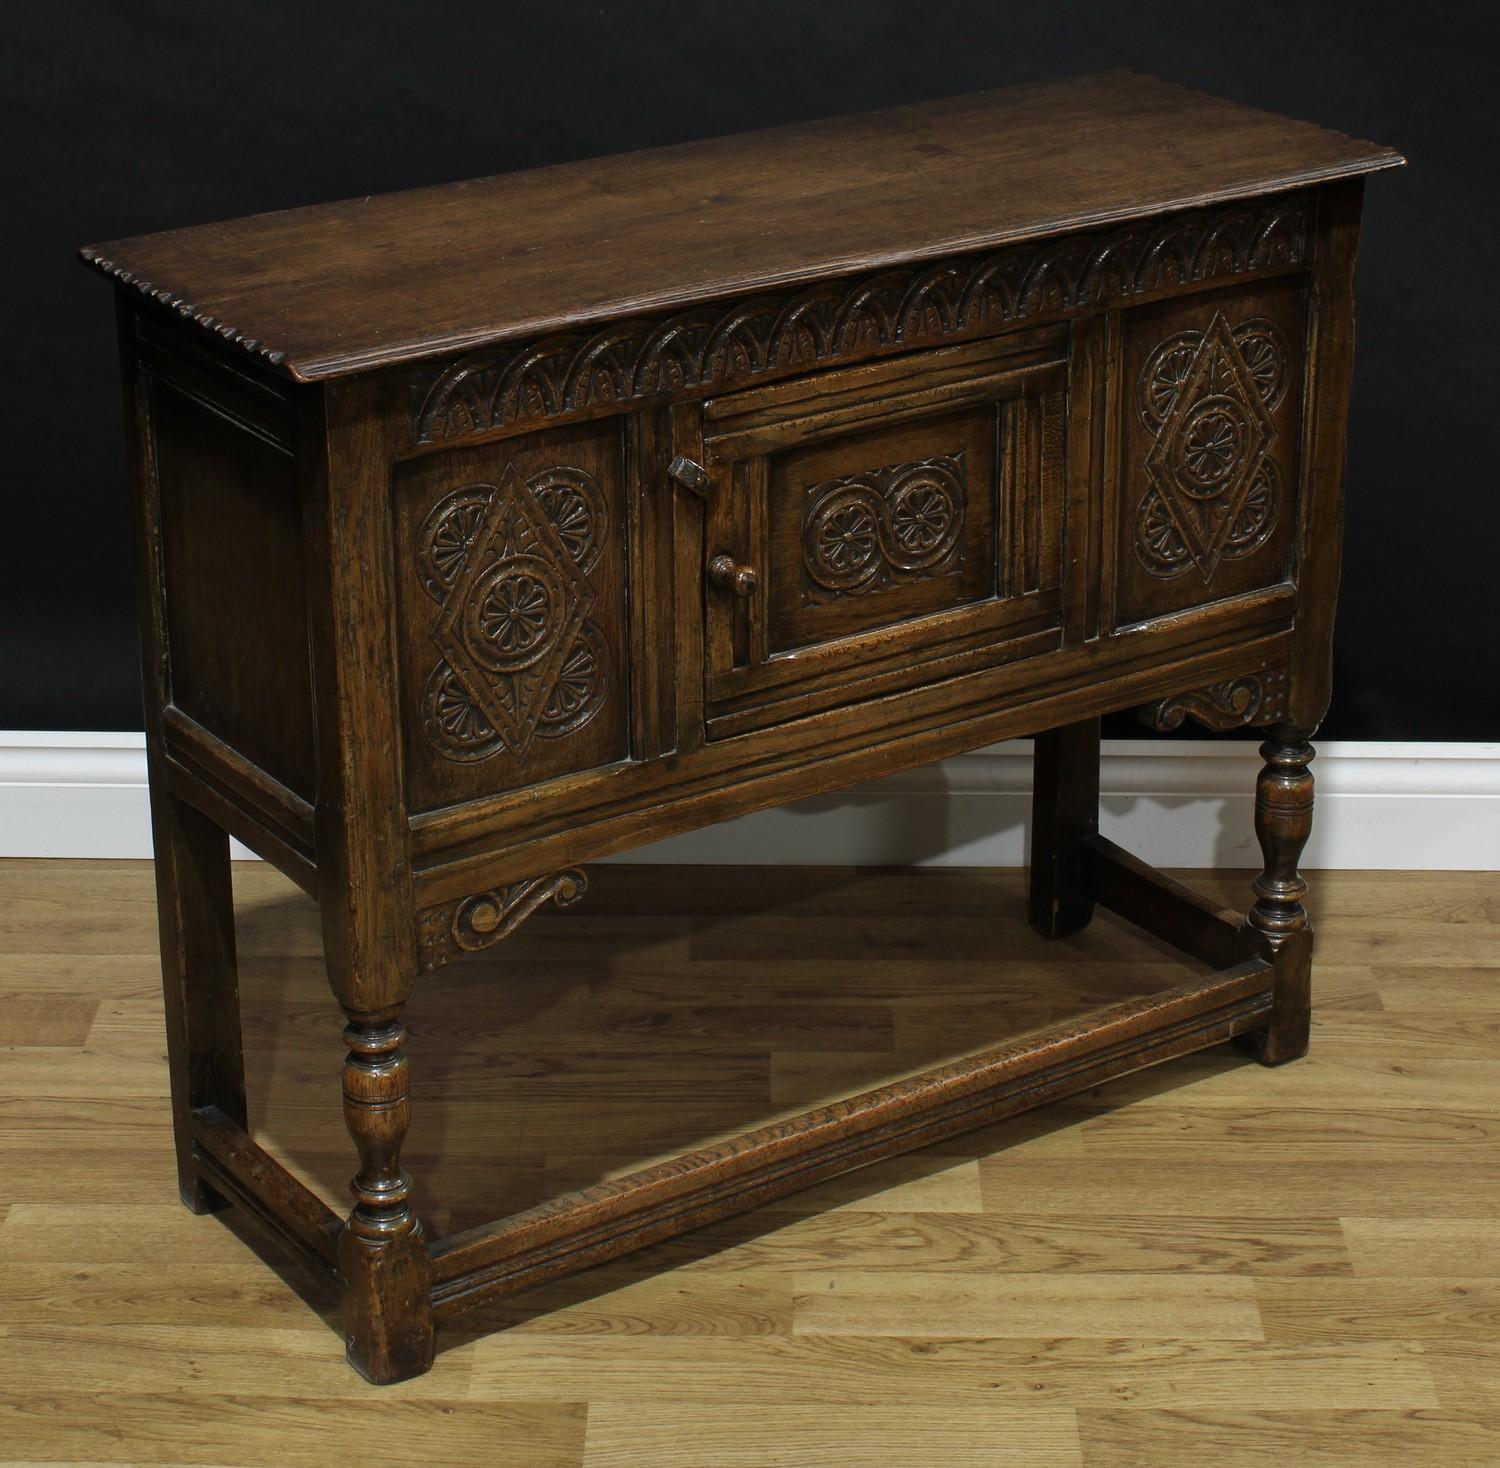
(884, 526)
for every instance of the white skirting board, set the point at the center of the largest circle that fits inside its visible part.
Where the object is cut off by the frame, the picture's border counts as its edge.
(1174, 802)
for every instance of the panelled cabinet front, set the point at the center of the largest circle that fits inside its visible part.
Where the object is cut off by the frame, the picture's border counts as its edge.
(854, 533)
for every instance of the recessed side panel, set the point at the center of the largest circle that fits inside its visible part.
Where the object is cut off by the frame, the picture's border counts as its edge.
(1211, 394)
(511, 578)
(236, 597)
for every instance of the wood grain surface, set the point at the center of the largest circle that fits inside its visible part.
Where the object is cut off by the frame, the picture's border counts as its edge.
(1205, 1262)
(334, 288)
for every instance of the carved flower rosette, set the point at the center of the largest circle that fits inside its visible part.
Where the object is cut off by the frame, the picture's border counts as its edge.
(508, 566)
(900, 523)
(1213, 490)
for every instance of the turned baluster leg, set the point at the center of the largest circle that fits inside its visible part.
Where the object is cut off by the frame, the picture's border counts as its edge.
(1064, 813)
(1283, 822)
(383, 1258)
(363, 840)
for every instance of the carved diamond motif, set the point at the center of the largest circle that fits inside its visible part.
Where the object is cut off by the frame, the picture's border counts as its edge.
(512, 616)
(1212, 445)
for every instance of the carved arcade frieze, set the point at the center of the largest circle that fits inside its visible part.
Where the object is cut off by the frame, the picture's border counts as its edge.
(845, 321)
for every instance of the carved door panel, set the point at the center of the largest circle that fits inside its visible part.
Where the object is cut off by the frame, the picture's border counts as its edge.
(1212, 395)
(881, 527)
(511, 582)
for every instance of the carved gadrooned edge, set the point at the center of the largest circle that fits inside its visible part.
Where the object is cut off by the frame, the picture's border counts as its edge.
(1255, 698)
(477, 922)
(844, 321)
(160, 296)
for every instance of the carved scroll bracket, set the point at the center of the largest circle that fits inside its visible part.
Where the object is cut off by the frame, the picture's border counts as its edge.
(486, 918)
(1256, 698)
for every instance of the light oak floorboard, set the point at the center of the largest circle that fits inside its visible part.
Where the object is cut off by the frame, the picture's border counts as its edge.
(745, 1436)
(1053, 1372)
(1086, 1306)
(1453, 1248)
(178, 1424)
(1207, 1262)
(1252, 1438)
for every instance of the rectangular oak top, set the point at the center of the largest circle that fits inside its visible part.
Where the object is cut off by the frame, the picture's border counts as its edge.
(333, 289)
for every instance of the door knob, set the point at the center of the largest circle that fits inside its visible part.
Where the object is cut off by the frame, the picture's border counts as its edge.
(725, 571)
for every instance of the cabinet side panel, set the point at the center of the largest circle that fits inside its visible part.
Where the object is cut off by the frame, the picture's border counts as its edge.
(232, 563)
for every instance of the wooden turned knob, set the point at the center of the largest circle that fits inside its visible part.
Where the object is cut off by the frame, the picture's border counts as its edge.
(725, 571)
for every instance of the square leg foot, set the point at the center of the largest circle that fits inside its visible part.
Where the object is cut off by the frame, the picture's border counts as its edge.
(198, 1197)
(388, 1332)
(1270, 1047)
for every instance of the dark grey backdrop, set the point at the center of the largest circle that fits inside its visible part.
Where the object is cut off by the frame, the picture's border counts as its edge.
(122, 118)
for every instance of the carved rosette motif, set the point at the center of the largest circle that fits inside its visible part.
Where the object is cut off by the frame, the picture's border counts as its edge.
(1256, 698)
(773, 334)
(509, 565)
(1207, 399)
(478, 922)
(899, 523)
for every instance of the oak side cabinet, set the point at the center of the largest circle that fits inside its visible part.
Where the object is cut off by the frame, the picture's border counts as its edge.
(488, 529)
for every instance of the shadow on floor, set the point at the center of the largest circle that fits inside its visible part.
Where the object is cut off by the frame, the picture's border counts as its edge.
(673, 1008)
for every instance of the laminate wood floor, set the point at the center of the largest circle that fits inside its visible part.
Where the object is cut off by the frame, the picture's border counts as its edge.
(1205, 1263)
